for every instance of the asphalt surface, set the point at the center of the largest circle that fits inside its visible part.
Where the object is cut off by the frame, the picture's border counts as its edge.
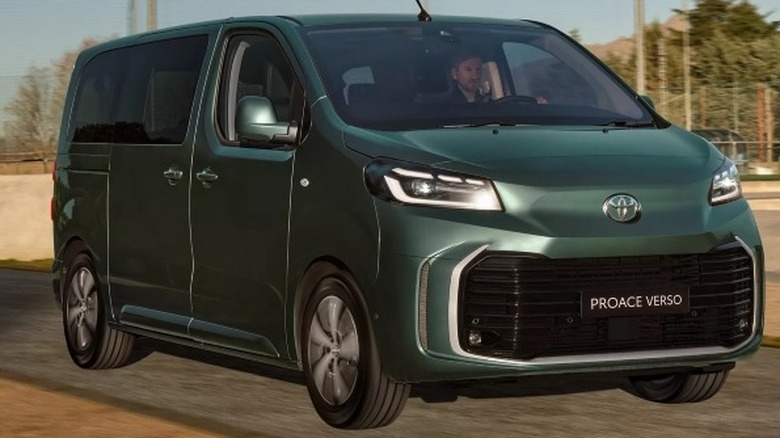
(225, 396)
(231, 397)
(769, 226)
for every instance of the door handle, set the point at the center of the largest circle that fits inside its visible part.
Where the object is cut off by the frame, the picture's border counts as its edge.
(173, 175)
(207, 177)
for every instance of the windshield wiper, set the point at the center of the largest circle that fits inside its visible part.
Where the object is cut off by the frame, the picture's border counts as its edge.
(630, 123)
(481, 124)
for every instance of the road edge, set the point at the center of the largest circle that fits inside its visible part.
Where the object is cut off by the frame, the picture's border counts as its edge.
(169, 415)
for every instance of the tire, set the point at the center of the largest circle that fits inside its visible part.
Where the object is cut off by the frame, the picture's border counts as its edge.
(679, 388)
(341, 363)
(92, 344)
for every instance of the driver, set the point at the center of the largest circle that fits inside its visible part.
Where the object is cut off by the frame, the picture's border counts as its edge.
(466, 72)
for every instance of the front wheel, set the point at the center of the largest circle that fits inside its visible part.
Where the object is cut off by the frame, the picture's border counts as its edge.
(679, 388)
(343, 374)
(91, 342)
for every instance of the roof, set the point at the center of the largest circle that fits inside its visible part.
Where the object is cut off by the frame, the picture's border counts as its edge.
(330, 19)
(307, 20)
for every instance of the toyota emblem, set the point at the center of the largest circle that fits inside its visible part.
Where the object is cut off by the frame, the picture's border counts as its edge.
(622, 208)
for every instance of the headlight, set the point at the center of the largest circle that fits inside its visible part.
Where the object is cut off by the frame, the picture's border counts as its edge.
(725, 184)
(420, 185)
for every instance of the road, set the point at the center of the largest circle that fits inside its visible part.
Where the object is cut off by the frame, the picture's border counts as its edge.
(769, 225)
(230, 397)
(224, 396)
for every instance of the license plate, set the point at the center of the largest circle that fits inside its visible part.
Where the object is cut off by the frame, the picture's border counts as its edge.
(604, 304)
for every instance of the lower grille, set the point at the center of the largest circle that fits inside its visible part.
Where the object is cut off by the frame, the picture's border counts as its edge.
(518, 306)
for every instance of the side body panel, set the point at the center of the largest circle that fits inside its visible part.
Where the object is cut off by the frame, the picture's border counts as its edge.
(150, 253)
(239, 220)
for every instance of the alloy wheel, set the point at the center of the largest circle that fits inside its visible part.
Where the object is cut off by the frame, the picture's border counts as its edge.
(334, 350)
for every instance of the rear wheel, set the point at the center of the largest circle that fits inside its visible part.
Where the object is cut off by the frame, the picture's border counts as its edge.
(91, 342)
(343, 374)
(679, 388)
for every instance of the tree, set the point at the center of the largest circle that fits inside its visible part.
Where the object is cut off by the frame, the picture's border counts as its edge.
(576, 35)
(30, 128)
(736, 20)
(36, 111)
(625, 68)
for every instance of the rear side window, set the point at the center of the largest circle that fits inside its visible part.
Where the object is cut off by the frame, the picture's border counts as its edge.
(141, 94)
(91, 121)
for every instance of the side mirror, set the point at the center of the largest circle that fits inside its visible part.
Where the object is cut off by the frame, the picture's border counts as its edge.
(256, 122)
(648, 101)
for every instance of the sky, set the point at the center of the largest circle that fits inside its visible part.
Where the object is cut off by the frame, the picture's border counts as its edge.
(36, 32)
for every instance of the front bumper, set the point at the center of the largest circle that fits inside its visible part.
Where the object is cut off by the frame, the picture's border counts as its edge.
(417, 311)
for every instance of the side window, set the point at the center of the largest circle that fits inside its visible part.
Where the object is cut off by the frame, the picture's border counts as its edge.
(91, 121)
(536, 72)
(257, 66)
(155, 99)
(140, 94)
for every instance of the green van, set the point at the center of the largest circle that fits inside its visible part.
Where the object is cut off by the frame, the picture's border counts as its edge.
(381, 201)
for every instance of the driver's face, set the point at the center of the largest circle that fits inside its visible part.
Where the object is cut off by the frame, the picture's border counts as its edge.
(467, 74)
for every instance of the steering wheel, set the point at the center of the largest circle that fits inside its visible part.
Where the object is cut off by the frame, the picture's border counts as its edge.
(518, 98)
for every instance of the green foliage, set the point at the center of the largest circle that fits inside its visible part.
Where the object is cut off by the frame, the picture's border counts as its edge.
(42, 265)
(625, 68)
(735, 51)
(731, 41)
(738, 20)
(576, 35)
(752, 177)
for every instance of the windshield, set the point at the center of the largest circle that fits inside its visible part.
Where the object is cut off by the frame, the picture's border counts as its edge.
(428, 75)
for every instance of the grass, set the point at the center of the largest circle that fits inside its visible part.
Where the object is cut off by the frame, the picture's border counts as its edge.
(773, 177)
(770, 341)
(41, 265)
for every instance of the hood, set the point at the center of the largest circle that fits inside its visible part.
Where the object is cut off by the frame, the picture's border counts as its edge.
(549, 156)
(555, 181)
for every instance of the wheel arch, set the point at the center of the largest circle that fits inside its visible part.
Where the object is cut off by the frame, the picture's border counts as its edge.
(315, 271)
(73, 247)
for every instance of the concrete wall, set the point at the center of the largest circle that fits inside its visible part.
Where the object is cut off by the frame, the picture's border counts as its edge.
(25, 223)
(26, 228)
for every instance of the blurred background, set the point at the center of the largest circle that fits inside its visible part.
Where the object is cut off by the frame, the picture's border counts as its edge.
(710, 66)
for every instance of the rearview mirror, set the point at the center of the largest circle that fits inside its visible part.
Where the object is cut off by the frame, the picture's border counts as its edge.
(256, 122)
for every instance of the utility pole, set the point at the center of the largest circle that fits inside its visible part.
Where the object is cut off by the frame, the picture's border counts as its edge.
(770, 123)
(761, 122)
(687, 67)
(639, 29)
(735, 108)
(151, 14)
(132, 25)
(662, 71)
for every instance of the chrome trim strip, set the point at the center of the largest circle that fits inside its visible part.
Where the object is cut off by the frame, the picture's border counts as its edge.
(756, 290)
(453, 304)
(108, 243)
(422, 304)
(681, 353)
(287, 257)
(197, 112)
(318, 101)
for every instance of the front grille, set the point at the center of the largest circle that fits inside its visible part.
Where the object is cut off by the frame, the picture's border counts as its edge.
(520, 306)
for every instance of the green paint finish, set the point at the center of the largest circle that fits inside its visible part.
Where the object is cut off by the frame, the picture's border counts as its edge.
(207, 240)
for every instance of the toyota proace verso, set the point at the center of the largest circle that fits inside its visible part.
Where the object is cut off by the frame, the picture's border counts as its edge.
(380, 202)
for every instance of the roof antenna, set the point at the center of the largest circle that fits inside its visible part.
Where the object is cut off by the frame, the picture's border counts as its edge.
(423, 15)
